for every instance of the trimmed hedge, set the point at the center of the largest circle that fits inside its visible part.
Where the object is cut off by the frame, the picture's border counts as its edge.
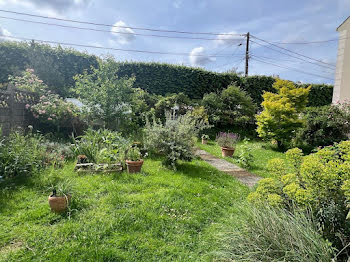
(163, 79)
(56, 66)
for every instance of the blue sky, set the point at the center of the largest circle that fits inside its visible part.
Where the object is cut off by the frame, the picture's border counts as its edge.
(273, 20)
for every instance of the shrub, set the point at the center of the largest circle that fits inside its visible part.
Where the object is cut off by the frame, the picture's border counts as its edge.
(232, 106)
(107, 96)
(100, 146)
(21, 154)
(54, 111)
(227, 139)
(318, 181)
(174, 139)
(323, 126)
(142, 104)
(28, 81)
(280, 118)
(269, 234)
(178, 103)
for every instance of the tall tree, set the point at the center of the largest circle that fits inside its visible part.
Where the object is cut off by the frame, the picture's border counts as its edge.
(107, 96)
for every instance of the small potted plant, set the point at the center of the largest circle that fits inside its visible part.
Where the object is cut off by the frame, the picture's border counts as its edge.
(60, 197)
(133, 160)
(82, 159)
(205, 139)
(227, 141)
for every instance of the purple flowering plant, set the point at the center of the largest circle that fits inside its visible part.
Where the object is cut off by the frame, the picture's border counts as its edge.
(227, 139)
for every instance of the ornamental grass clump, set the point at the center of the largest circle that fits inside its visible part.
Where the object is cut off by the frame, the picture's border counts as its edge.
(269, 234)
(227, 140)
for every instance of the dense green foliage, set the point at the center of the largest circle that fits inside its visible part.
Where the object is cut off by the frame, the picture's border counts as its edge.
(319, 181)
(107, 96)
(267, 234)
(24, 154)
(57, 66)
(178, 103)
(319, 95)
(322, 127)
(100, 146)
(231, 107)
(21, 154)
(280, 118)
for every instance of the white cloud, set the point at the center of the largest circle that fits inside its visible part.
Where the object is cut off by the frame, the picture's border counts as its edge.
(49, 7)
(4, 34)
(228, 38)
(124, 34)
(198, 57)
(177, 4)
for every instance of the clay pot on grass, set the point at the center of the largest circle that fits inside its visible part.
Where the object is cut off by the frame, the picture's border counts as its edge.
(59, 204)
(227, 151)
(134, 166)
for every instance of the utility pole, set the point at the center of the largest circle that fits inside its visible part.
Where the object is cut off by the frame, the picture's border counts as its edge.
(247, 55)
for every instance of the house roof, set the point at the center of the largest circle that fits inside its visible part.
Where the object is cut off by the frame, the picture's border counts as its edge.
(345, 21)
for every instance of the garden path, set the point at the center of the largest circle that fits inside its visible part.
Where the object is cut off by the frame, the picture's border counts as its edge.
(241, 174)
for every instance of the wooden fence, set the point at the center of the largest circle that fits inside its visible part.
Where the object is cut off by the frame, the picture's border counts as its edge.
(13, 112)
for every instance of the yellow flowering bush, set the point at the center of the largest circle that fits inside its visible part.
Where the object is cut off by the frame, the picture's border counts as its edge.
(319, 181)
(280, 118)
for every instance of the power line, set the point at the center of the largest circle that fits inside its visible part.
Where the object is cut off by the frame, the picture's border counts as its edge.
(230, 46)
(108, 31)
(233, 54)
(319, 61)
(107, 48)
(311, 42)
(284, 60)
(306, 43)
(266, 46)
(109, 25)
(238, 62)
(292, 68)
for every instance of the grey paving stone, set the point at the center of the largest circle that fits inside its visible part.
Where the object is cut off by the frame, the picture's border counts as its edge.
(241, 174)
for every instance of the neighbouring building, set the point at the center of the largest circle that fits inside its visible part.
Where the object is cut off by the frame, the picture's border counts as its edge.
(341, 91)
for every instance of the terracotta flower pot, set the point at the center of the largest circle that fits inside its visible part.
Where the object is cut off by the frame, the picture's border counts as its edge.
(227, 151)
(204, 141)
(59, 204)
(134, 166)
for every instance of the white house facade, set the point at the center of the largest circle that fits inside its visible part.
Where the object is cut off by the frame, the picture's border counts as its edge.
(341, 90)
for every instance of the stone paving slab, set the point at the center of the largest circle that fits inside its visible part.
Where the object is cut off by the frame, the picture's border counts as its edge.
(241, 174)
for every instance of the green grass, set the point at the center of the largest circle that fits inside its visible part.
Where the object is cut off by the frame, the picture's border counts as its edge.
(262, 153)
(157, 215)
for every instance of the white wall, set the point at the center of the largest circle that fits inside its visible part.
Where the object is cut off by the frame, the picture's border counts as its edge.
(341, 91)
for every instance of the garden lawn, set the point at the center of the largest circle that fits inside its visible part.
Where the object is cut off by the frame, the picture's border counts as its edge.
(261, 151)
(157, 215)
